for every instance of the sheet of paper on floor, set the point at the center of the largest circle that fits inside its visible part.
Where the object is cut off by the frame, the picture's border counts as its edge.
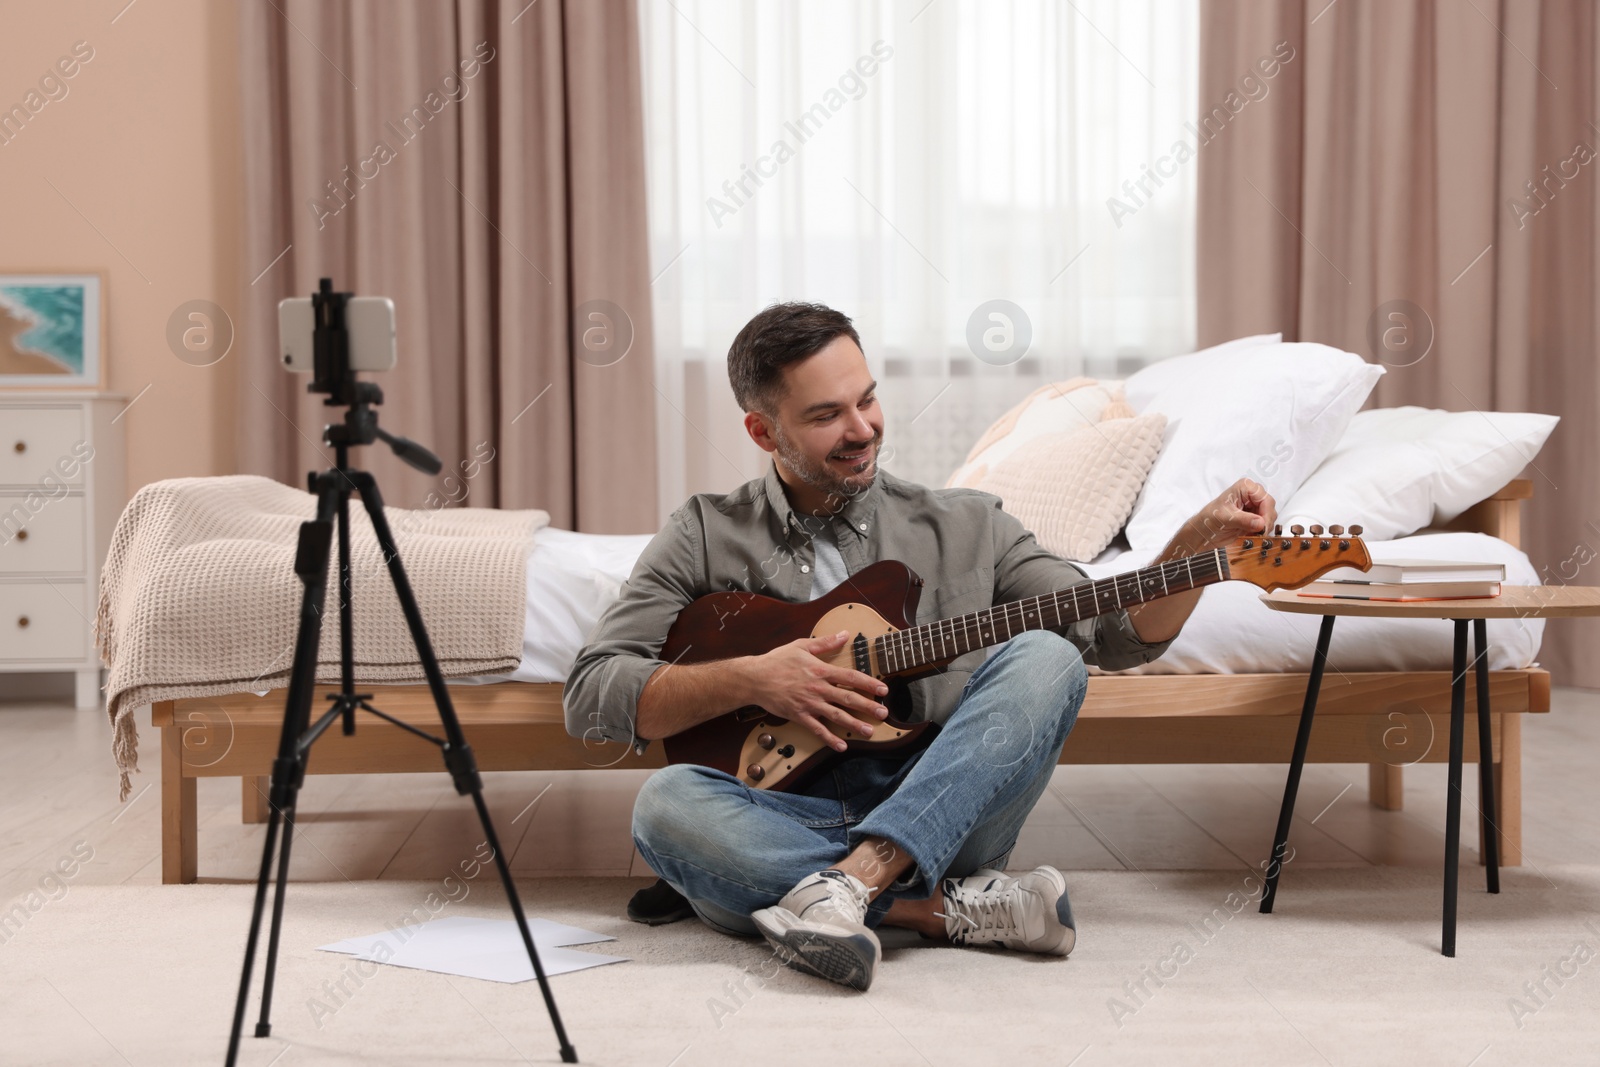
(490, 949)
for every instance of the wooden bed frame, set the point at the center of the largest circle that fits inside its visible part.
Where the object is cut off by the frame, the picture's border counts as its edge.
(1199, 718)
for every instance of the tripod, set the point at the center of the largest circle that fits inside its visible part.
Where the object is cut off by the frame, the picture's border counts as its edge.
(333, 488)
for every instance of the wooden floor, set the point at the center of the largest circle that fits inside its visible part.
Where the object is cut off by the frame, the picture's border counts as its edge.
(58, 791)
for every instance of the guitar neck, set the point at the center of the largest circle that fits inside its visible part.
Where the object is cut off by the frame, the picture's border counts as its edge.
(939, 642)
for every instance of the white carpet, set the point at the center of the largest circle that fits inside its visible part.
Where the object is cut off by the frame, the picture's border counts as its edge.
(1346, 972)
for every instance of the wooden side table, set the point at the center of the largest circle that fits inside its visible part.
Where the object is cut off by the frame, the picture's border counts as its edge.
(1514, 602)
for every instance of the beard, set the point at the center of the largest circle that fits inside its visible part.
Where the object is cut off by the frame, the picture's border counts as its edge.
(825, 477)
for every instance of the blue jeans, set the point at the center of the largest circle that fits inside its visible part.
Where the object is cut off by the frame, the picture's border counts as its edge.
(954, 807)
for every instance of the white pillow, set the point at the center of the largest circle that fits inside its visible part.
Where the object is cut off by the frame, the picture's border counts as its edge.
(1250, 408)
(1398, 470)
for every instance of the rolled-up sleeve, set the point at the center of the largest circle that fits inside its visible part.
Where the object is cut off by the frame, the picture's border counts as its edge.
(601, 697)
(1023, 568)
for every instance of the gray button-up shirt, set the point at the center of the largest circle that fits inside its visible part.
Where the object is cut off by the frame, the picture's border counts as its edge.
(971, 554)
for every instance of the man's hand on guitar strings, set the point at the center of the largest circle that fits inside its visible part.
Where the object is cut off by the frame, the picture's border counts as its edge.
(800, 686)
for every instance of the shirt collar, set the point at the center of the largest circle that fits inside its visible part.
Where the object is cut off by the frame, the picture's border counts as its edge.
(857, 513)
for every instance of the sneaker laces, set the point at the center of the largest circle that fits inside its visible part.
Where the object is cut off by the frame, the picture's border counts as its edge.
(989, 917)
(852, 890)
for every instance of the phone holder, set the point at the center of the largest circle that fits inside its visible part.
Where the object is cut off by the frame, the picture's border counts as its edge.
(331, 374)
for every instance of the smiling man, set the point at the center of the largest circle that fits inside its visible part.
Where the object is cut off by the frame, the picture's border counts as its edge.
(919, 842)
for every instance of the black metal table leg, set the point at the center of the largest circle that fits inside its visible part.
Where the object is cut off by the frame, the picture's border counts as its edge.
(1491, 829)
(1302, 737)
(1452, 819)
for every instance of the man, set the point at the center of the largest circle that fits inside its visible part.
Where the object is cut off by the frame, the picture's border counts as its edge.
(916, 842)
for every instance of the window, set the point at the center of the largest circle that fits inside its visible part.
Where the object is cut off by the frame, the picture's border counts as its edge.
(908, 164)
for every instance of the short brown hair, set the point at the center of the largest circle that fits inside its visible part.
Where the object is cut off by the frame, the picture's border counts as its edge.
(777, 336)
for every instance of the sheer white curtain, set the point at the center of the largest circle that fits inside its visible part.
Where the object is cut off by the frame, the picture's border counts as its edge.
(909, 163)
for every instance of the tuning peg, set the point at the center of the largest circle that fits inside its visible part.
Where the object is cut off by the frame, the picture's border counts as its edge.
(1337, 531)
(1277, 531)
(1316, 529)
(1355, 531)
(1297, 529)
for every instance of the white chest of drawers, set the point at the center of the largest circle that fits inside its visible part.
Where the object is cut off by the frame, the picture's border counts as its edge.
(62, 486)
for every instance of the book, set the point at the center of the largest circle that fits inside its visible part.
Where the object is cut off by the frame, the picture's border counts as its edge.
(1401, 591)
(1406, 571)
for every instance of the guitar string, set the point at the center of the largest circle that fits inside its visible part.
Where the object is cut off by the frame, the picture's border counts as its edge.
(898, 649)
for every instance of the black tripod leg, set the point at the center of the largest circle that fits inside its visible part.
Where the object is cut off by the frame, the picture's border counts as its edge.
(311, 565)
(347, 628)
(264, 1024)
(568, 1053)
(255, 934)
(458, 755)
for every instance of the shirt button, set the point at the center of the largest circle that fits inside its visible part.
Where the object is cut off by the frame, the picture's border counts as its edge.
(863, 527)
(804, 569)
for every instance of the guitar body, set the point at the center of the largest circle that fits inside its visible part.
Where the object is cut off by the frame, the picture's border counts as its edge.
(764, 750)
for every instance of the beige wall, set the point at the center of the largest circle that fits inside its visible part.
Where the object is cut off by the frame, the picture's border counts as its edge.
(145, 146)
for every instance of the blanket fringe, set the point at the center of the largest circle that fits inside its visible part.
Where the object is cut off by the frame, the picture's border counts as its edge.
(125, 749)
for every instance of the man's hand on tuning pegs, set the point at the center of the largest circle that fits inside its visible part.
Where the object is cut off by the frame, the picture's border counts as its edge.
(1241, 510)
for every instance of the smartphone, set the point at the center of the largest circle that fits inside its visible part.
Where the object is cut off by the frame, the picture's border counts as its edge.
(368, 319)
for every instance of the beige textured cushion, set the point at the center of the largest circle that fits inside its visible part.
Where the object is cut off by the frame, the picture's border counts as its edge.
(1048, 409)
(1075, 489)
(1068, 462)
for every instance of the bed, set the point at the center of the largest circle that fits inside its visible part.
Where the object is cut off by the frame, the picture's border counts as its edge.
(1201, 703)
(1111, 468)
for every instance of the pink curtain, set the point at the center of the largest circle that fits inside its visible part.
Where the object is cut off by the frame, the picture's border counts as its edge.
(482, 163)
(1435, 159)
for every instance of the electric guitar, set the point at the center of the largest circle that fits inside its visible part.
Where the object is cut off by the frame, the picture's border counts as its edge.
(875, 604)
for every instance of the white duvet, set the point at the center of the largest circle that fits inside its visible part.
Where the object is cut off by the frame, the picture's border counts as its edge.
(573, 577)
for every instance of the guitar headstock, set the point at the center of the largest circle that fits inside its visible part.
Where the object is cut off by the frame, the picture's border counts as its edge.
(1279, 560)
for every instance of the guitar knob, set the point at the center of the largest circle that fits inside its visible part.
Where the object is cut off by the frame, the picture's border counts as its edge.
(755, 772)
(1337, 531)
(1316, 529)
(1297, 529)
(1355, 531)
(766, 741)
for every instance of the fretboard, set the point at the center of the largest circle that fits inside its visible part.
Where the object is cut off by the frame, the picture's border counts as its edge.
(938, 642)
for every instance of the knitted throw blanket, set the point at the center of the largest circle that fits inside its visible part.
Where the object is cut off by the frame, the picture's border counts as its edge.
(198, 596)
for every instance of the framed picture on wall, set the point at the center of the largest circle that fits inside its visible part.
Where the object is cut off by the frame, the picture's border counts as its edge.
(52, 330)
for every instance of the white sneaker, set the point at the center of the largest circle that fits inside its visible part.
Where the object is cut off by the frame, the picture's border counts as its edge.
(1029, 914)
(820, 927)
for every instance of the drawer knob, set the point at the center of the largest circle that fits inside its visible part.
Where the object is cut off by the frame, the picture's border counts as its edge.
(22, 622)
(20, 446)
(22, 535)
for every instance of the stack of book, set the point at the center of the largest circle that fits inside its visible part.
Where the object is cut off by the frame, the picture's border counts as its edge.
(1411, 579)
